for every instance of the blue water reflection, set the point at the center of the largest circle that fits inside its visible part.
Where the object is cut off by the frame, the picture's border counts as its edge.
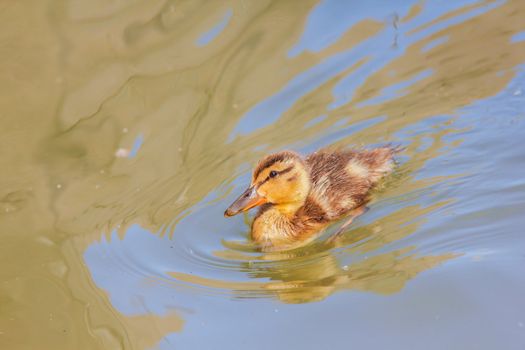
(139, 140)
(214, 32)
(518, 37)
(347, 14)
(434, 43)
(374, 53)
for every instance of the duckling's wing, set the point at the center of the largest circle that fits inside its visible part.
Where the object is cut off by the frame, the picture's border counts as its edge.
(341, 180)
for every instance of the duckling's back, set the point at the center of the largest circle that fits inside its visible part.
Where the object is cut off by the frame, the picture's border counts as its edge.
(341, 180)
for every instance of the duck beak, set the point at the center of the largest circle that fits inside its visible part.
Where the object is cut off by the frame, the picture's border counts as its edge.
(249, 199)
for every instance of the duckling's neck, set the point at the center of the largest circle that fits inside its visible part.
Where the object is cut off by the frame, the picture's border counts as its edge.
(288, 210)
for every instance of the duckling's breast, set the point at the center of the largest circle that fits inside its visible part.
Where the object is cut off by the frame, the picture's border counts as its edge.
(273, 229)
(270, 227)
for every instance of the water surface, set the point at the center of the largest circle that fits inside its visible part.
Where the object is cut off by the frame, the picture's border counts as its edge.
(129, 126)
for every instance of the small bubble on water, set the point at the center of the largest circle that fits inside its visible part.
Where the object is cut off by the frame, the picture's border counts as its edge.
(345, 267)
(276, 310)
(517, 92)
(122, 153)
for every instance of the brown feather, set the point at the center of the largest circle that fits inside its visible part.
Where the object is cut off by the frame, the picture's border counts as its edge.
(274, 158)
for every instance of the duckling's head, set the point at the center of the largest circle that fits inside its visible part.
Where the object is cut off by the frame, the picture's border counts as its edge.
(281, 179)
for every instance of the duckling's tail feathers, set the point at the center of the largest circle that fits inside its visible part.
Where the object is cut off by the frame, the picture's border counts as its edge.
(381, 161)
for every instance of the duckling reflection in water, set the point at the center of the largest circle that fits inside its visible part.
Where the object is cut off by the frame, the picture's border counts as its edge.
(299, 197)
(316, 271)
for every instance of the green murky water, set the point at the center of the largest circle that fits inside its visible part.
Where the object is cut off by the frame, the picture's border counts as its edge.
(127, 127)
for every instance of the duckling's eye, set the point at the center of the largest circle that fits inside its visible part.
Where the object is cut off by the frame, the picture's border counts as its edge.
(273, 173)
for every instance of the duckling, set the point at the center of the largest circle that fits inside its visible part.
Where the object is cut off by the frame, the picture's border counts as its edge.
(299, 197)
